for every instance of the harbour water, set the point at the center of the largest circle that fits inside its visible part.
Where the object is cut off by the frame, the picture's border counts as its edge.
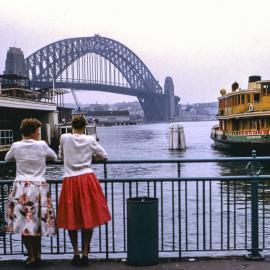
(150, 141)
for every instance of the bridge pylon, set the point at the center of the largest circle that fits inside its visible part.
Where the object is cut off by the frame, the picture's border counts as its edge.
(155, 109)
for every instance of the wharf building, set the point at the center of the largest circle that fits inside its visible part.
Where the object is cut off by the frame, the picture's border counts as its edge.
(18, 101)
(111, 118)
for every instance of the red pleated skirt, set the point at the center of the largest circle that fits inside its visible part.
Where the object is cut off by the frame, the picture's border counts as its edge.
(82, 204)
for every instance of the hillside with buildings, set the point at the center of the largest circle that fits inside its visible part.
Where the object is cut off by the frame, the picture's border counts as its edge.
(198, 111)
(187, 112)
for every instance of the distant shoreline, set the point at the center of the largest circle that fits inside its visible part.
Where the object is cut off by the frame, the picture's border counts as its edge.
(179, 120)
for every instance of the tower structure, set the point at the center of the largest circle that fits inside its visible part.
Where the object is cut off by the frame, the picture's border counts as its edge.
(169, 91)
(15, 63)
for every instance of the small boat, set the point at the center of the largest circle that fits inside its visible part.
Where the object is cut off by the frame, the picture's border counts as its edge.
(244, 118)
(90, 129)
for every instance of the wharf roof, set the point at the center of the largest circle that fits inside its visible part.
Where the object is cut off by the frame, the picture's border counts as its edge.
(109, 113)
(13, 77)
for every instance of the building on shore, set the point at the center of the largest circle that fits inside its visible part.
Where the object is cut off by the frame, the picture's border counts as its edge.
(198, 111)
(110, 118)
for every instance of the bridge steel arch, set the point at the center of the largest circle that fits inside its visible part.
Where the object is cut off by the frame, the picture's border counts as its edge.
(49, 62)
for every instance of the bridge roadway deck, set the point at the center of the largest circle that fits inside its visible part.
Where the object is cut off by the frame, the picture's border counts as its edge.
(201, 264)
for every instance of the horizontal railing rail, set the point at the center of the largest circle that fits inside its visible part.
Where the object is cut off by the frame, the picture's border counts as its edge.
(179, 160)
(221, 214)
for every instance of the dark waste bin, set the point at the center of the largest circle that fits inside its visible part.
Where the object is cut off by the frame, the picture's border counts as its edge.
(142, 231)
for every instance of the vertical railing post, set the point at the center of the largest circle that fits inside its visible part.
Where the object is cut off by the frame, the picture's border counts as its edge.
(179, 210)
(2, 217)
(178, 170)
(106, 225)
(255, 254)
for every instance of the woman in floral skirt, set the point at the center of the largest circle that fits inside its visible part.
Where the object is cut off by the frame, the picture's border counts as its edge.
(29, 210)
(82, 204)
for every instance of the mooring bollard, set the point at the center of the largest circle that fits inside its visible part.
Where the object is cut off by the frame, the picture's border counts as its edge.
(177, 139)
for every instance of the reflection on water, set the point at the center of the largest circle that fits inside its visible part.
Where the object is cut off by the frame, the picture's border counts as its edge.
(151, 141)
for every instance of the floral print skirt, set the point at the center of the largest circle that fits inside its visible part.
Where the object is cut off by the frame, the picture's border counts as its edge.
(29, 210)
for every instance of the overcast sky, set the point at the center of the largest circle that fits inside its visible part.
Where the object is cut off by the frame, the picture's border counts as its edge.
(204, 45)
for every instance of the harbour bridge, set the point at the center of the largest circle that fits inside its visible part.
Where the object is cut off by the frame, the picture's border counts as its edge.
(102, 64)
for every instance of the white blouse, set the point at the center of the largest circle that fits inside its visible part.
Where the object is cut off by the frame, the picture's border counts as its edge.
(30, 156)
(77, 150)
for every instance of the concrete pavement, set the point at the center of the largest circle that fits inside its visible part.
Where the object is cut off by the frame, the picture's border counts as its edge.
(199, 264)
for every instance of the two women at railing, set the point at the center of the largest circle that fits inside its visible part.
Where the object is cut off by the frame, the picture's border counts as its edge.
(82, 204)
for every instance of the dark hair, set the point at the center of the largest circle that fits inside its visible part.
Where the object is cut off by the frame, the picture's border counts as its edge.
(29, 126)
(78, 122)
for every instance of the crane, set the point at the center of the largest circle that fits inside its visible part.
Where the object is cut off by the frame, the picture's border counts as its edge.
(77, 102)
(91, 129)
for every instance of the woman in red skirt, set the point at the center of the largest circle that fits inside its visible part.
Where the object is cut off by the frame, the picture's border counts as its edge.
(82, 204)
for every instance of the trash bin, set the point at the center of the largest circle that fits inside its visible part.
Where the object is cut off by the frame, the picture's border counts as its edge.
(142, 231)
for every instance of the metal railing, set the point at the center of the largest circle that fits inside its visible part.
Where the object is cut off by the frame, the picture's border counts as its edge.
(197, 215)
(248, 132)
(6, 137)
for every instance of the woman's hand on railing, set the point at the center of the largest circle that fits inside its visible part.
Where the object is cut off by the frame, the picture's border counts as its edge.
(97, 158)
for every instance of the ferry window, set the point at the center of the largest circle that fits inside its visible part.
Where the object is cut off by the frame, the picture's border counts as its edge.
(249, 124)
(254, 124)
(266, 90)
(242, 99)
(223, 103)
(267, 122)
(256, 98)
(248, 98)
(229, 102)
(220, 104)
(262, 123)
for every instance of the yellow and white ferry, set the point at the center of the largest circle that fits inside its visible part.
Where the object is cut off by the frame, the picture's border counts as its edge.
(244, 117)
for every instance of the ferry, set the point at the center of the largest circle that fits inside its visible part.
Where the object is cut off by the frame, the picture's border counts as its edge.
(244, 117)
